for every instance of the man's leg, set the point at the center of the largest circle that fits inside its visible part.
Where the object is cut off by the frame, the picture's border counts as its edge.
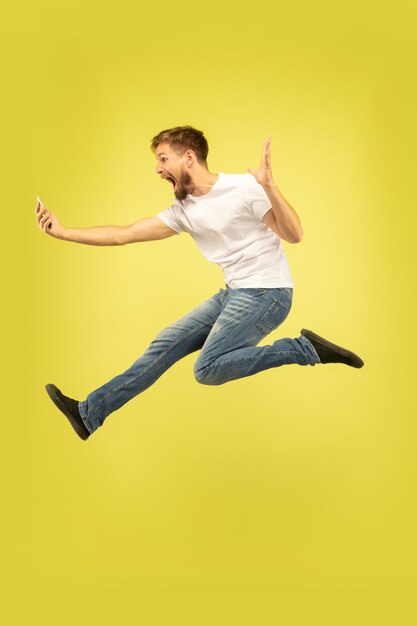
(248, 315)
(183, 337)
(174, 342)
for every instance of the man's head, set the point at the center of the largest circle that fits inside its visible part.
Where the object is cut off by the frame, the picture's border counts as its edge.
(181, 152)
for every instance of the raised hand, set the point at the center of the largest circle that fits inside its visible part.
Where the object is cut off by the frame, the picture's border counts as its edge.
(263, 173)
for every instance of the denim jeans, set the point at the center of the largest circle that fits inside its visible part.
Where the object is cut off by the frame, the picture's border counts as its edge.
(227, 328)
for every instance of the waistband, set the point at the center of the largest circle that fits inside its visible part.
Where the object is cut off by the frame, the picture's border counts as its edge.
(228, 287)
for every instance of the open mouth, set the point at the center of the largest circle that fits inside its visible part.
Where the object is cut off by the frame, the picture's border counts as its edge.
(171, 180)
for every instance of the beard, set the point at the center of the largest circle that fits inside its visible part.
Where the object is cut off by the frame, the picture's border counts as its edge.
(184, 186)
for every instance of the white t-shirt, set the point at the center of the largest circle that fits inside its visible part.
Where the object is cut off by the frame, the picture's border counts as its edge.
(226, 224)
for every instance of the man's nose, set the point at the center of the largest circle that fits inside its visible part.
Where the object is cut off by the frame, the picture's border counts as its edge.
(158, 168)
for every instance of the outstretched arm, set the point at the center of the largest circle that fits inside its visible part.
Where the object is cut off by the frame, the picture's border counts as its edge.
(282, 219)
(146, 229)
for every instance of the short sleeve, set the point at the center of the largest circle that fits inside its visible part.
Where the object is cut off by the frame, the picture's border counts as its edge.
(256, 196)
(171, 218)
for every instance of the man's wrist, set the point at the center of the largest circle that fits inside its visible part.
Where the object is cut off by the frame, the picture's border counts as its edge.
(62, 233)
(270, 186)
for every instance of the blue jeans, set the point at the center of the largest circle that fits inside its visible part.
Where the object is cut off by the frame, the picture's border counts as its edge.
(226, 328)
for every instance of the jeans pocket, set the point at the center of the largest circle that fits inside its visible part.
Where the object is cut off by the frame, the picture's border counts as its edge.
(273, 317)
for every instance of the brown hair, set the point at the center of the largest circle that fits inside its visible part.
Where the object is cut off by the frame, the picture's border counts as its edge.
(183, 138)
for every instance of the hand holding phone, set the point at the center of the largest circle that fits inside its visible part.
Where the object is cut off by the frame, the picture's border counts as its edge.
(47, 222)
(42, 209)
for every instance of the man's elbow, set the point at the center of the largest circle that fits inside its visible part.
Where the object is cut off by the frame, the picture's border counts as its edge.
(296, 237)
(299, 237)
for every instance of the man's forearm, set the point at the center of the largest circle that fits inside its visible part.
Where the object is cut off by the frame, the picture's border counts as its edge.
(95, 236)
(286, 218)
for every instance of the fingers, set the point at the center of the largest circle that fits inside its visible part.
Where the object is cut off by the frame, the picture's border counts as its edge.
(267, 152)
(39, 213)
(267, 145)
(43, 218)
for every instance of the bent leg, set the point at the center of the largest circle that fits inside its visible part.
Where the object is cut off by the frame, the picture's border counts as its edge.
(248, 315)
(183, 337)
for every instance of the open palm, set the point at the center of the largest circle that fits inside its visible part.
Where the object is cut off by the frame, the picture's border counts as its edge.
(263, 173)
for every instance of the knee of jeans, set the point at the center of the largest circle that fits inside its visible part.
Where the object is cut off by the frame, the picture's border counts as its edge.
(199, 373)
(204, 375)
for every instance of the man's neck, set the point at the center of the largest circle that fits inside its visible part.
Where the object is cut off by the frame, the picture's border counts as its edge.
(203, 184)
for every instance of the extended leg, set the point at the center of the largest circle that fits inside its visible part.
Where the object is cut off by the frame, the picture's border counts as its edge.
(183, 337)
(173, 343)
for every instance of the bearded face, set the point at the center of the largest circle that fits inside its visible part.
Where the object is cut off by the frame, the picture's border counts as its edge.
(172, 168)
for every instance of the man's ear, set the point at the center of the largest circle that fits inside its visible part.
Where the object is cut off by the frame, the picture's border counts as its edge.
(189, 157)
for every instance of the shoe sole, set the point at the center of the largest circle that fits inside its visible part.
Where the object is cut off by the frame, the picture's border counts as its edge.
(52, 393)
(356, 361)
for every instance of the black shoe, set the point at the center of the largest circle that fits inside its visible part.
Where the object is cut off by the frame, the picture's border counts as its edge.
(330, 352)
(69, 407)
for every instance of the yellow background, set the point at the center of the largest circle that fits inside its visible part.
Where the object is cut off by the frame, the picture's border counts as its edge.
(288, 497)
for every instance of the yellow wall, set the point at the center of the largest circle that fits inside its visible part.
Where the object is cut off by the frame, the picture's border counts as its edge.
(287, 497)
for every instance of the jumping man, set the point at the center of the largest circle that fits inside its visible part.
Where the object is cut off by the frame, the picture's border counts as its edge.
(238, 221)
